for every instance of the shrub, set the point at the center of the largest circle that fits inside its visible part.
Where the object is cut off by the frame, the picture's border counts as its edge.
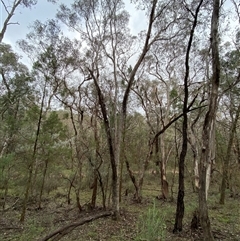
(151, 225)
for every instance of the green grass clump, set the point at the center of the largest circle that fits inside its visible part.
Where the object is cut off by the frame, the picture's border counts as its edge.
(151, 225)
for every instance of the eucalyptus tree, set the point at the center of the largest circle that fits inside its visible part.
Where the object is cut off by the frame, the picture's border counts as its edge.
(209, 123)
(15, 97)
(181, 38)
(154, 98)
(15, 80)
(53, 145)
(57, 59)
(229, 102)
(194, 15)
(54, 60)
(166, 93)
(102, 26)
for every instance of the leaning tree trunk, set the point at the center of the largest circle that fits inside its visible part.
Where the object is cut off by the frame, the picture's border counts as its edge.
(209, 125)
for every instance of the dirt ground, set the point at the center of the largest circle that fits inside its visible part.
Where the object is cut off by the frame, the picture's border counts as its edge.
(56, 214)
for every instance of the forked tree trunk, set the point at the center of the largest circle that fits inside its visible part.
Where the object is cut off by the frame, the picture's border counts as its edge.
(115, 139)
(209, 126)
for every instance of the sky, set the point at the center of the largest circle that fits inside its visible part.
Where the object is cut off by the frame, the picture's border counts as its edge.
(44, 10)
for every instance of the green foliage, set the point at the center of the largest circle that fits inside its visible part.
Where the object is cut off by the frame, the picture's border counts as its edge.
(6, 160)
(151, 226)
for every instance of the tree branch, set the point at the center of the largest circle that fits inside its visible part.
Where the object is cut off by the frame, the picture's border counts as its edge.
(59, 233)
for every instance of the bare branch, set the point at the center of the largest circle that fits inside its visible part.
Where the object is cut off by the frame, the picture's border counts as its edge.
(237, 9)
(5, 7)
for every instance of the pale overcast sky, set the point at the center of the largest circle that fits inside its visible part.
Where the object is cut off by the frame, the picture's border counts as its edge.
(44, 10)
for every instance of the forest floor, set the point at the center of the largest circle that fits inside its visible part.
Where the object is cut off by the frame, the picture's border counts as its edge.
(225, 220)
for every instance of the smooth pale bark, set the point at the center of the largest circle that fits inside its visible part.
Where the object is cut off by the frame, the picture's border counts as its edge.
(115, 139)
(208, 136)
(163, 165)
(4, 148)
(193, 143)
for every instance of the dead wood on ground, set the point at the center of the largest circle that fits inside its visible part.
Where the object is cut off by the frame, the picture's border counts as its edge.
(59, 233)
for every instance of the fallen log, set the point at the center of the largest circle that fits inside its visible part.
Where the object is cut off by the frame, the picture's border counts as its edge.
(59, 233)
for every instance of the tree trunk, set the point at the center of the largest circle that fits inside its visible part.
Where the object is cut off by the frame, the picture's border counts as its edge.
(28, 185)
(163, 160)
(238, 149)
(94, 192)
(193, 143)
(227, 158)
(209, 126)
(42, 186)
(137, 196)
(77, 193)
(33, 160)
(181, 188)
(164, 182)
(121, 176)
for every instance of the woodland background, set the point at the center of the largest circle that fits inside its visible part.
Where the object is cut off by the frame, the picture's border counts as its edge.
(109, 123)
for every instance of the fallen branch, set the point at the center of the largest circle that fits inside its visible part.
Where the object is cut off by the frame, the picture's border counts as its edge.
(11, 207)
(8, 228)
(59, 233)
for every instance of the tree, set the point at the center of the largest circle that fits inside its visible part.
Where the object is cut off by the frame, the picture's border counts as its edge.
(55, 60)
(229, 98)
(103, 31)
(156, 102)
(208, 134)
(10, 10)
(51, 146)
(181, 188)
(16, 94)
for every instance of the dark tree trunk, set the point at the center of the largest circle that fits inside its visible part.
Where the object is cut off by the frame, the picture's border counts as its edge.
(181, 189)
